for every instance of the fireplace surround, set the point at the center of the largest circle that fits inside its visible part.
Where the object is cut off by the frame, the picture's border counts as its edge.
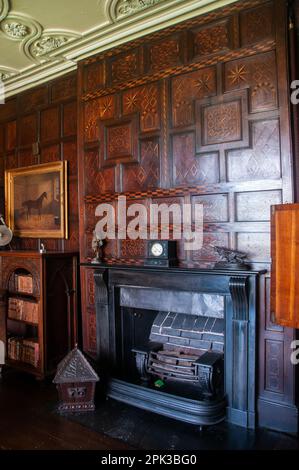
(190, 331)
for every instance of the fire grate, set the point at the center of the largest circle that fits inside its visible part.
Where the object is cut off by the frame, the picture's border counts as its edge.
(173, 365)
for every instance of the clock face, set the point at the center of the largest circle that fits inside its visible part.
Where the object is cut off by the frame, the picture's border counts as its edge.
(157, 249)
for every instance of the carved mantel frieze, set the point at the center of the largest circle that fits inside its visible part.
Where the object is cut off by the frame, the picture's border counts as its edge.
(238, 290)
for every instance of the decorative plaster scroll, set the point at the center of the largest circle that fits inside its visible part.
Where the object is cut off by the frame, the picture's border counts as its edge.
(49, 42)
(6, 73)
(125, 8)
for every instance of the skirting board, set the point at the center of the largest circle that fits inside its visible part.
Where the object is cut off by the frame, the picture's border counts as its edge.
(278, 416)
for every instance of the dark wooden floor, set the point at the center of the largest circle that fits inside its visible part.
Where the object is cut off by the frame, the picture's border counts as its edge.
(27, 421)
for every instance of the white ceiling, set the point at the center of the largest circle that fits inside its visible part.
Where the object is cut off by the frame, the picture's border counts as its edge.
(42, 39)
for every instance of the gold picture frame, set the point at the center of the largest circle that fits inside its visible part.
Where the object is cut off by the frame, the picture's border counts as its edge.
(36, 200)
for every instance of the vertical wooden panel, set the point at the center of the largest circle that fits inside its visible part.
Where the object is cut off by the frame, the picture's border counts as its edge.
(50, 124)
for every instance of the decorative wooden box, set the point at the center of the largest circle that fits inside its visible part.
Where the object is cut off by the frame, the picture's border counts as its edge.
(76, 381)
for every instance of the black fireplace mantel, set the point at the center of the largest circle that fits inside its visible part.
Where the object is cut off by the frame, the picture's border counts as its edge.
(240, 289)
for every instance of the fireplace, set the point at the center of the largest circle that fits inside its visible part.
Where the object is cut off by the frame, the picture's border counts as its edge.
(179, 342)
(184, 352)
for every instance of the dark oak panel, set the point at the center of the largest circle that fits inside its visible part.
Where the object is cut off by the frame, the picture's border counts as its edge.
(200, 111)
(46, 118)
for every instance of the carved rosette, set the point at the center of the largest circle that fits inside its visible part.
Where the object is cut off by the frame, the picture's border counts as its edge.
(19, 28)
(16, 30)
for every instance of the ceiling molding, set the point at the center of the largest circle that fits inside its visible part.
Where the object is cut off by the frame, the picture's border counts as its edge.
(4, 9)
(123, 8)
(54, 52)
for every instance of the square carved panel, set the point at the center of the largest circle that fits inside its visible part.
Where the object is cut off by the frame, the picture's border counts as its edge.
(222, 120)
(213, 38)
(165, 53)
(257, 24)
(119, 142)
(124, 67)
(222, 123)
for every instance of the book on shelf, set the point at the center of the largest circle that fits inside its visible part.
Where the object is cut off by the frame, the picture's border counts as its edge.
(19, 309)
(24, 283)
(24, 350)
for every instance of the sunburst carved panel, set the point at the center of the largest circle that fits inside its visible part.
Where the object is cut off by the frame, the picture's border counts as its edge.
(259, 74)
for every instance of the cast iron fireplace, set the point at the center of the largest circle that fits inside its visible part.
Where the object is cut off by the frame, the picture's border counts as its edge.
(179, 342)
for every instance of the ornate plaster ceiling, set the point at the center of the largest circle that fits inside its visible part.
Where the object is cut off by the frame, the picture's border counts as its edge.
(40, 40)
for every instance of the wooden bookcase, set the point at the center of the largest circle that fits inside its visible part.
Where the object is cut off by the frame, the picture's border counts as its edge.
(39, 327)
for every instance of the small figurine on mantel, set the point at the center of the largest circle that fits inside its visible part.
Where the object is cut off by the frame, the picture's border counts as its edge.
(231, 259)
(42, 248)
(97, 244)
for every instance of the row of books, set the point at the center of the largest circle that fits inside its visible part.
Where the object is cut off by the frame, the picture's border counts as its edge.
(24, 283)
(19, 309)
(24, 350)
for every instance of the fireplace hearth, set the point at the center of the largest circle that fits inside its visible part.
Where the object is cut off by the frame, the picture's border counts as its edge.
(181, 343)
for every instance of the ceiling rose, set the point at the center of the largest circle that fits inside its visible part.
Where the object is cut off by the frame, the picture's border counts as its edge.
(15, 30)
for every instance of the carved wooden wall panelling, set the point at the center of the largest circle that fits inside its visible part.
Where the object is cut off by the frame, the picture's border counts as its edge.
(89, 332)
(198, 112)
(48, 115)
(215, 129)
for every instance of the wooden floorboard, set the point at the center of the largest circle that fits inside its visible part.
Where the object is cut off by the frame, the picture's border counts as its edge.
(28, 422)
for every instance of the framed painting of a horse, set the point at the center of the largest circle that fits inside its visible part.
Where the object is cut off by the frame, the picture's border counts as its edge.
(36, 200)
